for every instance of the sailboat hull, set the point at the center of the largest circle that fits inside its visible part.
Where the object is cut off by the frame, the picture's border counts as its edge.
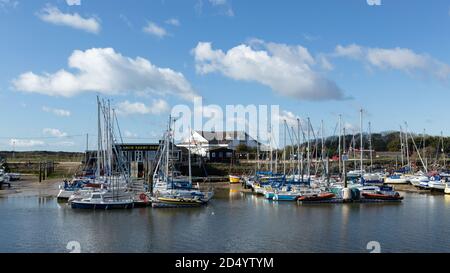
(101, 206)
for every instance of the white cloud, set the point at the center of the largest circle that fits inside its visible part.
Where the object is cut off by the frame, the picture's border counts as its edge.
(128, 108)
(374, 2)
(227, 9)
(352, 51)
(5, 4)
(129, 134)
(105, 71)
(54, 132)
(402, 59)
(154, 29)
(58, 112)
(287, 70)
(289, 117)
(218, 2)
(173, 22)
(64, 143)
(73, 2)
(25, 143)
(53, 15)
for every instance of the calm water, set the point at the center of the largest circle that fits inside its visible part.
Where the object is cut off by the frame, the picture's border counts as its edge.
(232, 222)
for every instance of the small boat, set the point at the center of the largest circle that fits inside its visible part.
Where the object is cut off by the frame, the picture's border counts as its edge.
(447, 188)
(176, 202)
(396, 179)
(96, 200)
(316, 197)
(234, 179)
(14, 176)
(419, 180)
(285, 196)
(66, 190)
(382, 196)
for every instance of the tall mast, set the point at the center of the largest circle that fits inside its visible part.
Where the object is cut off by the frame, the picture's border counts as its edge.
(271, 149)
(257, 149)
(344, 174)
(407, 148)
(308, 166)
(401, 146)
(424, 151)
(339, 145)
(298, 148)
(189, 159)
(443, 150)
(361, 139)
(284, 150)
(370, 147)
(322, 153)
(97, 171)
(167, 150)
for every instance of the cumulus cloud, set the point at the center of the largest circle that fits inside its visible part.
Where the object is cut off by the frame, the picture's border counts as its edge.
(25, 143)
(287, 70)
(105, 71)
(54, 132)
(129, 108)
(225, 5)
(6, 4)
(402, 59)
(155, 30)
(173, 22)
(53, 15)
(129, 134)
(73, 2)
(374, 2)
(55, 111)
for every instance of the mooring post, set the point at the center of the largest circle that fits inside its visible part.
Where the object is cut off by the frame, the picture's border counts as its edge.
(40, 172)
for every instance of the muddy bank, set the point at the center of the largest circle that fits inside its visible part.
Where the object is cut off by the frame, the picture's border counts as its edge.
(29, 185)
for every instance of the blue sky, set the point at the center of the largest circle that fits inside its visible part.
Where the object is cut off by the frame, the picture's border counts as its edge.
(390, 59)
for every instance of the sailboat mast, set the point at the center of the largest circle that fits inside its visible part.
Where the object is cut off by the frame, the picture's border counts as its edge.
(401, 146)
(370, 147)
(284, 149)
(189, 160)
(361, 139)
(442, 149)
(97, 171)
(339, 144)
(407, 148)
(308, 166)
(298, 148)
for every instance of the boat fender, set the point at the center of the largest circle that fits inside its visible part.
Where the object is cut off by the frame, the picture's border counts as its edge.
(143, 196)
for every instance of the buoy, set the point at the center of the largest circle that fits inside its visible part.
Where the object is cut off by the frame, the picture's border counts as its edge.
(347, 194)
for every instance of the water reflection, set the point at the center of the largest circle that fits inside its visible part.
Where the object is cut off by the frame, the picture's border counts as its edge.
(234, 221)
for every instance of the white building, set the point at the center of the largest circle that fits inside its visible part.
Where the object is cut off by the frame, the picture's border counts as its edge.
(201, 142)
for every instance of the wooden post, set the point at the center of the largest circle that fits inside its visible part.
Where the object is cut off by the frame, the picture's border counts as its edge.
(40, 172)
(44, 173)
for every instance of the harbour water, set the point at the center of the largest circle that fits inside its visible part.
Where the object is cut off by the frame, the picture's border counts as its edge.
(233, 221)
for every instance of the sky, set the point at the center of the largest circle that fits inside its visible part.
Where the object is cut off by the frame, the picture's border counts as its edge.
(314, 59)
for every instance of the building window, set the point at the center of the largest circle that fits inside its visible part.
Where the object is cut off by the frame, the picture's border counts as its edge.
(220, 154)
(213, 155)
(139, 156)
(229, 154)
